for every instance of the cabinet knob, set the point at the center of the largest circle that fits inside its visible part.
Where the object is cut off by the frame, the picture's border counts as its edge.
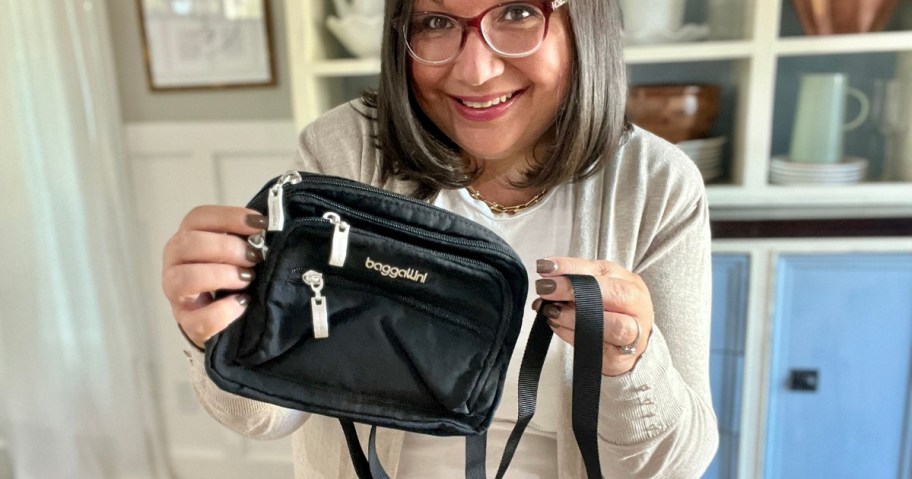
(804, 380)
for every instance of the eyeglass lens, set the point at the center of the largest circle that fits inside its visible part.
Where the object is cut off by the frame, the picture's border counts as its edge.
(514, 29)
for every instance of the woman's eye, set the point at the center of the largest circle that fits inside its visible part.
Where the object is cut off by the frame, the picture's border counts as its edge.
(516, 13)
(434, 22)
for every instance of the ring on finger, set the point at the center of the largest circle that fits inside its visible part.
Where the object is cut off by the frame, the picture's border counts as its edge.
(632, 347)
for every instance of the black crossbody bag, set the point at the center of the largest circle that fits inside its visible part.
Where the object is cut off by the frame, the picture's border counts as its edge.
(377, 308)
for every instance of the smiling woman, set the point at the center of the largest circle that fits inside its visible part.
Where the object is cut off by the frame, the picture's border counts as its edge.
(493, 109)
(510, 114)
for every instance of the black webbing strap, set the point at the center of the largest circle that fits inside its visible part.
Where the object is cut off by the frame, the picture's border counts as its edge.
(587, 368)
(587, 374)
(375, 466)
(587, 377)
(476, 453)
(365, 470)
(529, 374)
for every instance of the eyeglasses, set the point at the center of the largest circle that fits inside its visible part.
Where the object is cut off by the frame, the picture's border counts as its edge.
(512, 30)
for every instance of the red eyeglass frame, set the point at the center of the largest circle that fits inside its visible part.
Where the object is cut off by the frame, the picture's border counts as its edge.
(547, 9)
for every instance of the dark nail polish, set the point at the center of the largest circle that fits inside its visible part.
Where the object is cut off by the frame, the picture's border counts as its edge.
(246, 275)
(552, 311)
(553, 323)
(253, 255)
(243, 299)
(259, 222)
(545, 286)
(536, 304)
(545, 266)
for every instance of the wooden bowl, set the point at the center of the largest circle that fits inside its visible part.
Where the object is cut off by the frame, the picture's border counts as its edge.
(828, 17)
(674, 112)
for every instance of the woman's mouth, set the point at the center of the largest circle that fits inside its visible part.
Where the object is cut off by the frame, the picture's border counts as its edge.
(486, 109)
(487, 104)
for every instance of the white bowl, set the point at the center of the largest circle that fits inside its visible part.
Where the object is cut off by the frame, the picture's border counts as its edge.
(359, 34)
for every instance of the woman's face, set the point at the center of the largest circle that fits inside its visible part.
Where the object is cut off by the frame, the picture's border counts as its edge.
(457, 95)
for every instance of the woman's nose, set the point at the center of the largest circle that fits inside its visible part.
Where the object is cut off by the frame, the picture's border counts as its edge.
(476, 63)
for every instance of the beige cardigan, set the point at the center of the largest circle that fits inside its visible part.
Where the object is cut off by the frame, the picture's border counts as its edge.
(646, 211)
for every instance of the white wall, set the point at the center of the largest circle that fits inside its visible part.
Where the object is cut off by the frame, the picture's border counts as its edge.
(176, 166)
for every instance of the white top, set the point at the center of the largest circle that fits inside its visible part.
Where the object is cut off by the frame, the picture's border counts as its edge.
(540, 231)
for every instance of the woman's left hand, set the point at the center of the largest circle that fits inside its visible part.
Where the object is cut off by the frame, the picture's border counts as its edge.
(625, 301)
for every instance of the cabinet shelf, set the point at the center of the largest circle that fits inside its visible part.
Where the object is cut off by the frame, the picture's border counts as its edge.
(837, 44)
(862, 194)
(688, 52)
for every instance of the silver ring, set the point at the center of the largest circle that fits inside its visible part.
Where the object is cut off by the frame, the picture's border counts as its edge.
(632, 347)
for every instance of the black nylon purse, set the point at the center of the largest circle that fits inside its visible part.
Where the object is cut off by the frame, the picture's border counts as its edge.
(376, 308)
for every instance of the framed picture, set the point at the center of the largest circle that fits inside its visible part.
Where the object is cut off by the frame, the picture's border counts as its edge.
(192, 44)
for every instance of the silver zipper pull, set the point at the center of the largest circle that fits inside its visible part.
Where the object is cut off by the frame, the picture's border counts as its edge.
(276, 208)
(314, 279)
(258, 241)
(339, 249)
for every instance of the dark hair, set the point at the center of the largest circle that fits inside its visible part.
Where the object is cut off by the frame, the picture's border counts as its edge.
(588, 128)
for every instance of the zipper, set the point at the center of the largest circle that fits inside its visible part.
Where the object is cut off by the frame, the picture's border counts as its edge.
(275, 206)
(477, 245)
(360, 286)
(320, 318)
(327, 181)
(258, 241)
(339, 248)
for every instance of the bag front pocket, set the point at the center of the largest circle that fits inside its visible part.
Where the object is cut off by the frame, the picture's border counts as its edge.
(387, 350)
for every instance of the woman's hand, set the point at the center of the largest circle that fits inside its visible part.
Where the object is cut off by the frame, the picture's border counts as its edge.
(625, 300)
(209, 253)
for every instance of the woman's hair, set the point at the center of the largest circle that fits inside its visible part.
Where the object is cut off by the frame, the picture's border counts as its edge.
(587, 131)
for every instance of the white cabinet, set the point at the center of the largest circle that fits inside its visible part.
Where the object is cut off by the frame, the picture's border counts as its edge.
(756, 71)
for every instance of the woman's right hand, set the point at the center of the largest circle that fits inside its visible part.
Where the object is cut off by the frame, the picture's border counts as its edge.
(209, 253)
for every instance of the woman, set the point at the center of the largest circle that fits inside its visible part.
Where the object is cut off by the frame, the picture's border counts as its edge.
(511, 115)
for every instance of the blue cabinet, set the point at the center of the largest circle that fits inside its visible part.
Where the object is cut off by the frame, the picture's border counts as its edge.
(834, 350)
(839, 399)
(730, 289)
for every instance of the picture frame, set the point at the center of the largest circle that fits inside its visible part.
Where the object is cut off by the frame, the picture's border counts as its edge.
(207, 44)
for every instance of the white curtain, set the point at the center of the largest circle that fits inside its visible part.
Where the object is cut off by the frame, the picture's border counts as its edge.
(77, 396)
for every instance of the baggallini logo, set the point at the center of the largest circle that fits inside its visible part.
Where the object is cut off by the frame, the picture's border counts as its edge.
(394, 272)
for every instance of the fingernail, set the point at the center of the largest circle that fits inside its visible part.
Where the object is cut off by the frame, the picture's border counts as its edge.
(536, 304)
(545, 266)
(253, 255)
(246, 275)
(545, 286)
(552, 311)
(553, 323)
(243, 299)
(259, 222)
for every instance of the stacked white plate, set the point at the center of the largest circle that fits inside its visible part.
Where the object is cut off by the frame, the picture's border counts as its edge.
(850, 170)
(707, 154)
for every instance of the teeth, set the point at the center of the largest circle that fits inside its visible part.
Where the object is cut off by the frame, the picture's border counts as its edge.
(487, 104)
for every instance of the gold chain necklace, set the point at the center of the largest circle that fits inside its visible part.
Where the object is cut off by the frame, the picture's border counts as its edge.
(499, 208)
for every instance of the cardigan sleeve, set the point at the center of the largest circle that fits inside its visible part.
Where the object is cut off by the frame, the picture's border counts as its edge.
(657, 420)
